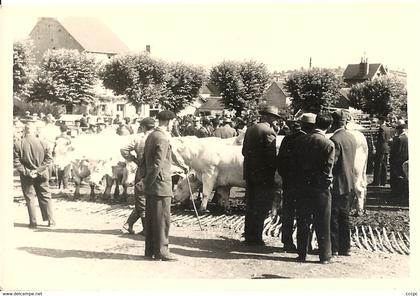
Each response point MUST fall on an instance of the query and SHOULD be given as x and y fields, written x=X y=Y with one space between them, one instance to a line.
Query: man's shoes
x=289 y=248
x=33 y=225
x=254 y=242
x=325 y=261
x=335 y=253
x=168 y=257
x=301 y=259
x=127 y=227
x=149 y=257
x=347 y=253
x=51 y=224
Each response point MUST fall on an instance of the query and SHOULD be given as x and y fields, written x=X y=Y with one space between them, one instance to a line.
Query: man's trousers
x=259 y=198
x=158 y=220
x=37 y=188
x=340 y=223
x=314 y=205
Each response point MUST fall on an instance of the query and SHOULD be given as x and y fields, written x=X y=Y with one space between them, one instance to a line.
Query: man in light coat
x=139 y=211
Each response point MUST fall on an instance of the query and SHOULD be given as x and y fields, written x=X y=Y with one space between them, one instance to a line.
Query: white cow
x=215 y=163
x=95 y=156
x=220 y=166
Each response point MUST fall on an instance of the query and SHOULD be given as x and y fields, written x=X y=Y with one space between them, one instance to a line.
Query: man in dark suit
x=259 y=151
x=382 y=153
x=287 y=168
x=315 y=155
x=156 y=166
x=399 y=154
x=31 y=158
x=343 y=184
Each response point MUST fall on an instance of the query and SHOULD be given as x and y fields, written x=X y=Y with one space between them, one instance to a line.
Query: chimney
x=364 y=67
x=148 y=48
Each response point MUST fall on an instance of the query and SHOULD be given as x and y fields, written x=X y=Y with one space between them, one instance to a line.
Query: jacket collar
x=162 y=130
x=338 y=130
x=319 y=131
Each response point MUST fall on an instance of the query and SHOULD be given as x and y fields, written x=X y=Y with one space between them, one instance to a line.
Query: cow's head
x=182 y=192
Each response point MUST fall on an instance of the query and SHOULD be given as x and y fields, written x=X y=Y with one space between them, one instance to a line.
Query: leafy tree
x=66 y=77
x=240 y=84
x=139 y=77
x=381 y=96
x=183 y=83
x=23 y=67
x=312 y=89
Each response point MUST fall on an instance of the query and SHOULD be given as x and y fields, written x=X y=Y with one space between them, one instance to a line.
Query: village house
x=357 y=73
x=90 y=35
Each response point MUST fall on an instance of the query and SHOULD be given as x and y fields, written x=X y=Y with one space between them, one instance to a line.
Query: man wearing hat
x=315 y=159
x=382 y=153
x=259 y=151
x=226 y=131
x=287 y=169
x=31 y=157
x=137 y=145
x=156 y=169
x=343 y=184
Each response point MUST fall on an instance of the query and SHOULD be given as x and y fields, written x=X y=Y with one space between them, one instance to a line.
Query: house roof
x=212 y=103
x=93 y=35
x=352 y=72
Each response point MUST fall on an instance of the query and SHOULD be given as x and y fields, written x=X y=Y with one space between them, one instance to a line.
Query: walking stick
x=192 y=200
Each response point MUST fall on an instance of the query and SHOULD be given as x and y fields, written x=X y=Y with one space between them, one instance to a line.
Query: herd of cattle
x=215 y=164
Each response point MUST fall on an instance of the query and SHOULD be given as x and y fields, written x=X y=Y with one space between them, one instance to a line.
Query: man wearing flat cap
x=156 y=169
x=342 y=190
x=147 y=125
x=259 y=151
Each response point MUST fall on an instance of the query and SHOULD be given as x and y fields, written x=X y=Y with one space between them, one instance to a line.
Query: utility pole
x=310 y=63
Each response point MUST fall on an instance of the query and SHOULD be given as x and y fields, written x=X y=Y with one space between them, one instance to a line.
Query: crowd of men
x=316 y=171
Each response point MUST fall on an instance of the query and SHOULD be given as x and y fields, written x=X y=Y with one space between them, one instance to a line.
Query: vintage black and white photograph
x=218 y=141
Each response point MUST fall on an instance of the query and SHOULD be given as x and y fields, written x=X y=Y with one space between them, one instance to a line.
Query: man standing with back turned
x=315 y=162
x=31 y=159
x=156 y=166
x=259 y=151
x=343 y=184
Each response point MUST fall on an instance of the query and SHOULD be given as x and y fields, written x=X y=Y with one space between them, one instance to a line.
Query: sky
x=284 y=36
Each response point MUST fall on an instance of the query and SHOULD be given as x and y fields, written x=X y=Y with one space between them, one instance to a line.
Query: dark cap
x=340 y=116
x=273 y=110
x=148 y=122
x=165 y=115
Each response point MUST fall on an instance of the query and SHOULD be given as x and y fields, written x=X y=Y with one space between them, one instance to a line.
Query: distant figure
x=382 y=153
x=117 y=119
x=63 y=172
x=84 y=121
x=398 y=156
x=226 y=131
x=32 y=157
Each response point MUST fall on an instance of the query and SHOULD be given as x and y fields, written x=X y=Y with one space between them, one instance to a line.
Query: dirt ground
x=88 y=251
